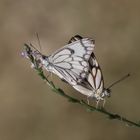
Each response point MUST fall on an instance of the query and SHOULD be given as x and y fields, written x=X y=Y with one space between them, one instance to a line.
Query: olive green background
x=29 y=110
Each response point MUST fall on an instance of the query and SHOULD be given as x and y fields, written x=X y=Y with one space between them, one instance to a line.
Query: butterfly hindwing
x=94 y=80
x=95 y=77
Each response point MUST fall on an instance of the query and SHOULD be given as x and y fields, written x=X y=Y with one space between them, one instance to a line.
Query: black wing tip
x=78 y=36
x=92 y=40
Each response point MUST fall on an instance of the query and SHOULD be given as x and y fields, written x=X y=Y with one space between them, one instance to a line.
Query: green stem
x=81 y=102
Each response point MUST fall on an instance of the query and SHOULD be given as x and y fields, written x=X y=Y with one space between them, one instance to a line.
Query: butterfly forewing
x=82 y=48
x=71 y=61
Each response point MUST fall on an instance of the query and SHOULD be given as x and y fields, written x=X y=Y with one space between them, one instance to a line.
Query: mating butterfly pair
x=76 y=64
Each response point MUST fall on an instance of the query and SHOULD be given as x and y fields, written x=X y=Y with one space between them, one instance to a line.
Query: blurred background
x=29 y=110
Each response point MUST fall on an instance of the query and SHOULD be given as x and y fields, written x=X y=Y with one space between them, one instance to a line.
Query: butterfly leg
x=64 y=80
x=97 y=103
x=104 y=101
x=48 y=75
x=88 y=100
x=51 y=75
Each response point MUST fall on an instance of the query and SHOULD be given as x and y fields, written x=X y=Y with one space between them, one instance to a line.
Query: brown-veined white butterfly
x=76 y=64
x=70 y=62
x=93 y=84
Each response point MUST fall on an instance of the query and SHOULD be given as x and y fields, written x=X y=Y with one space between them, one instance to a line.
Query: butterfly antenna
x=34 y=47
x=118 y=81
x=38 y=42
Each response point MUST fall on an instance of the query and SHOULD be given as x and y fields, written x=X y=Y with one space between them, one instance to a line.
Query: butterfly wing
x=95 y=76
x=93 y=84
x=80 y=48
x=71 y=61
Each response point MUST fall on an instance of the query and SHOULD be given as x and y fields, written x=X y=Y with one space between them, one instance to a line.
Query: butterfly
x=70 y=62
x=93 y=84
x=76 y=64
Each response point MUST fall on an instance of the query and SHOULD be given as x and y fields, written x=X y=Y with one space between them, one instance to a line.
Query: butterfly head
x=100 y=96
x=44 y=60
x=34 y=55
x=106 y=93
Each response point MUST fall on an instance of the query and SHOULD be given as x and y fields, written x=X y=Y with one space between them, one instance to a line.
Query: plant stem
x=86 y=105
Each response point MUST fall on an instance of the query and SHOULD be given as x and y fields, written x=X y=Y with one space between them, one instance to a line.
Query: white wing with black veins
x=71 y=61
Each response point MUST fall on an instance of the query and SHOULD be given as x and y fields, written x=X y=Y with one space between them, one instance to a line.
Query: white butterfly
x=76 y=64
x=93 y=84
x=70 y=63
